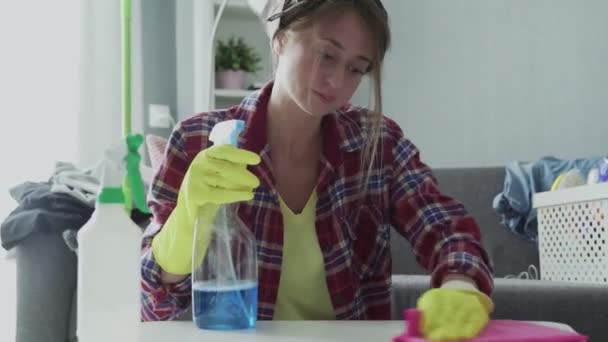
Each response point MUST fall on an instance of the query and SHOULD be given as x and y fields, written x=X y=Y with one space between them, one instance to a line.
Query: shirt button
x=339 y=299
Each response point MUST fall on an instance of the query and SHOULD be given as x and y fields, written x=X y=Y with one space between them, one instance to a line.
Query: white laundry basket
x=573 y=234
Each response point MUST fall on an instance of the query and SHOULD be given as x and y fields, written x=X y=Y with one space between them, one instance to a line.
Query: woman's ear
x=278 y=43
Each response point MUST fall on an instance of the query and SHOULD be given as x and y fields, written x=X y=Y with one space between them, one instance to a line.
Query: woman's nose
x=335 y=77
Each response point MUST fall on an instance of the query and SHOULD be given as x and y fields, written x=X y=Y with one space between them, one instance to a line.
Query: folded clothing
x=41 y=210
x=522 y=180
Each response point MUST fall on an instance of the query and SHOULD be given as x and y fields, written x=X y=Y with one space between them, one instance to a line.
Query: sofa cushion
x=156 y=149
x=475 y=188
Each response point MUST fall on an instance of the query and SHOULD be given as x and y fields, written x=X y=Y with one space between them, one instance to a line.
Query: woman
x=323 y=182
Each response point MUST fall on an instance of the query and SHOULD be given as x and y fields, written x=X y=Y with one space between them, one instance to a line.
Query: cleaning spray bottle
x=108 y=295
x=224 y=274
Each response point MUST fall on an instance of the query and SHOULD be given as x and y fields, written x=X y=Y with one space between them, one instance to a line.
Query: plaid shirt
x=353 y=227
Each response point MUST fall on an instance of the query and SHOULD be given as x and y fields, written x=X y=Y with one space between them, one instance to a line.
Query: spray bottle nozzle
x=116 y=188
x=227 y=132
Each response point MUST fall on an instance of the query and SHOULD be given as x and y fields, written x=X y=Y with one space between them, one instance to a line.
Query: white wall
x=483 y=82
x=184 y=37
x=159 y=65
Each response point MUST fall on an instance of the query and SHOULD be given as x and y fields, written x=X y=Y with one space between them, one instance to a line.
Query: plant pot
x=231 y=79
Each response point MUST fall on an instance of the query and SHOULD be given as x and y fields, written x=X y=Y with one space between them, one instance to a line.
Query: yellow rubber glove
x=453 y=314
x=217 y=175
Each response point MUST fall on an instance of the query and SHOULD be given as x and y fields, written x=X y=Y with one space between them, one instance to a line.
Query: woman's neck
x=292 y=133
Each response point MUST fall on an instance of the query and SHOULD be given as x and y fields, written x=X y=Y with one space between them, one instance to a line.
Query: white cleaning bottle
x=224 y=276
x=108 y=293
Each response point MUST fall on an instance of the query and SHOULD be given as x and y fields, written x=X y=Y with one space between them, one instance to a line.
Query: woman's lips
x=324 y=97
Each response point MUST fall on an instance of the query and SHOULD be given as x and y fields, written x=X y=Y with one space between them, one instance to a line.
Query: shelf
x=238 y=8
x=232 y=93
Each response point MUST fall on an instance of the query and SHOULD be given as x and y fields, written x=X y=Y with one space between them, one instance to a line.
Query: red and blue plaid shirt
x=353 y=227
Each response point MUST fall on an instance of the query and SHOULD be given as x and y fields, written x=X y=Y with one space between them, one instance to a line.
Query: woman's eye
x=356 y=70
x=326 y=56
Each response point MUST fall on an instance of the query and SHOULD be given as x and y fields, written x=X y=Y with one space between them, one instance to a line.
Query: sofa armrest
x=584 y=307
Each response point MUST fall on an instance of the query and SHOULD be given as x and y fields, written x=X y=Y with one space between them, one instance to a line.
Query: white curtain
x=39 y=77
x=60 y=77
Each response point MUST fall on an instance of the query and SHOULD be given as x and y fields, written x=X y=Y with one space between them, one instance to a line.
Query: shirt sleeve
x=161 y=301
x=445 y=239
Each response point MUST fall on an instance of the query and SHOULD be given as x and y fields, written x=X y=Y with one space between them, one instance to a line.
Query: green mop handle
x=126 y=89
x=126 y=67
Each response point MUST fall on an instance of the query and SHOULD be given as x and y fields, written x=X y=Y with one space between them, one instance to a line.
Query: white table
x=285 y=331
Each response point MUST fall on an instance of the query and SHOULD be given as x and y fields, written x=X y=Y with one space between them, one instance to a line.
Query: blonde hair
x=298 y=15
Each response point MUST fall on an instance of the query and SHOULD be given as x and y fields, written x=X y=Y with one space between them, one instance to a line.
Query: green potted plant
x=233 y=60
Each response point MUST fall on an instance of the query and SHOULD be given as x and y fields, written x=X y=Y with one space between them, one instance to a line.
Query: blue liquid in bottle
x=225 y=307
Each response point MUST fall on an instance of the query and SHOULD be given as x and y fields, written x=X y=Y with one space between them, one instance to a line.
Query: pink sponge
x=496 y=331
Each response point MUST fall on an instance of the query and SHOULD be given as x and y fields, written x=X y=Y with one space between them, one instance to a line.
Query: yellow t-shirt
x=303 y=293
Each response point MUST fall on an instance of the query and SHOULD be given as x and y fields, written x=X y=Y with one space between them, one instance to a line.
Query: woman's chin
x=318 y=110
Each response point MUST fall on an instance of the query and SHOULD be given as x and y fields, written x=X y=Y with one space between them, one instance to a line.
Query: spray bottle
x=224 y=283
x=109 y=243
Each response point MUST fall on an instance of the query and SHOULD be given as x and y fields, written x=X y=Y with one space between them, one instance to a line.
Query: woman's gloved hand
x=453 y=314
x=217 y=175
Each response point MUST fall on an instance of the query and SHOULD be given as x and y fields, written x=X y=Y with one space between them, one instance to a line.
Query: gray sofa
x=582 y=306
x=45 y=259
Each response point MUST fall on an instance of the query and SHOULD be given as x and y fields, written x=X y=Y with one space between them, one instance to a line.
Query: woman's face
x=321 y=67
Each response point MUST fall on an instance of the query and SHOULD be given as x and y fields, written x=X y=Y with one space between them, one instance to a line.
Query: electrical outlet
x=160 y=116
